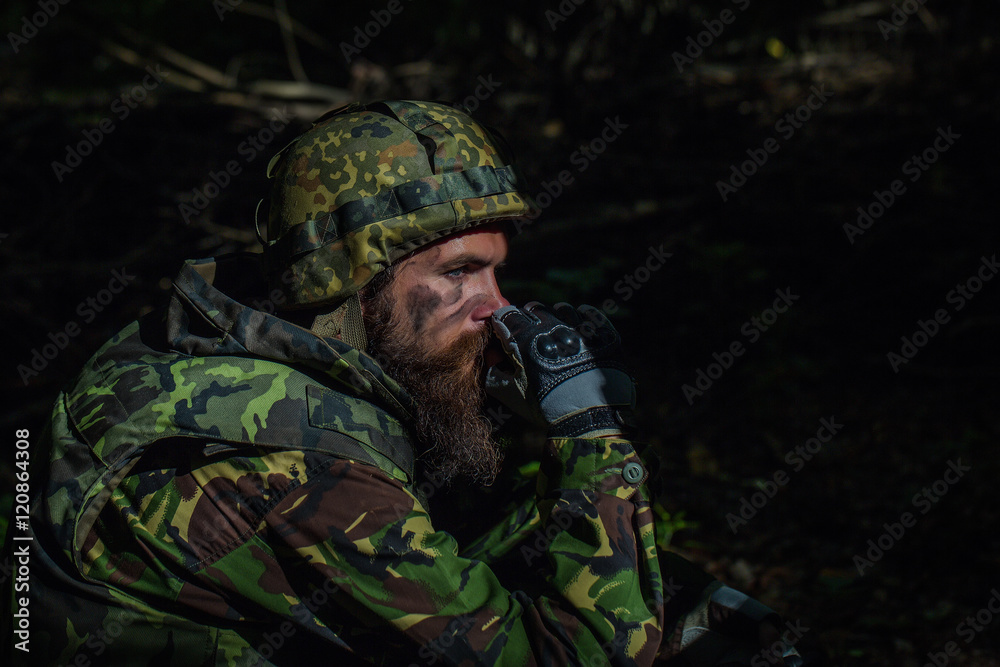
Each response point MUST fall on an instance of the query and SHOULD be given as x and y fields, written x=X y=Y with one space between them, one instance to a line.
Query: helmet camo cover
x=368 y=184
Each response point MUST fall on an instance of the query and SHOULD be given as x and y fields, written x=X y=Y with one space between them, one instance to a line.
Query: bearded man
x=245 y=477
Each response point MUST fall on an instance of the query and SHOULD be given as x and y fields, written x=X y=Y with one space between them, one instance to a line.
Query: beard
x=455 y=436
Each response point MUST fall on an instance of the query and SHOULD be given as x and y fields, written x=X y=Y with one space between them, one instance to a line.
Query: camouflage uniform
x=222 y=486
x=222 y=481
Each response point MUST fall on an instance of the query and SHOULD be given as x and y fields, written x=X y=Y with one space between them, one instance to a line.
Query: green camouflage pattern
x=221 y=487
x=368 y=184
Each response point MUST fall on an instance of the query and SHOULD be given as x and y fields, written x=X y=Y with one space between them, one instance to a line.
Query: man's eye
x=456 y=273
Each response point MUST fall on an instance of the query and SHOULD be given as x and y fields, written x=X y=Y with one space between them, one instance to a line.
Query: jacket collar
x=220 y=306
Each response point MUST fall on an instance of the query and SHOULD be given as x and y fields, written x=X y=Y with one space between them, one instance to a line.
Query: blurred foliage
x=667 y=525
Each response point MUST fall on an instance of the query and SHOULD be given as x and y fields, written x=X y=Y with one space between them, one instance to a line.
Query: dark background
x=557 y=79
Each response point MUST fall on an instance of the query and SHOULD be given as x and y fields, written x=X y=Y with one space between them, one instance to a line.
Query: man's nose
x=493 y=300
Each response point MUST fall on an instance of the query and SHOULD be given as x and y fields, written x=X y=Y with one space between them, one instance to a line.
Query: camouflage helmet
x=370 y=183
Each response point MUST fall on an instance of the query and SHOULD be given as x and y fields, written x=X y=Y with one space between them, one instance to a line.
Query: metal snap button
x=632 y=472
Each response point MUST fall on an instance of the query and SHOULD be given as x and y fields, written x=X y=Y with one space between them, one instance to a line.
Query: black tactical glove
x=566 y=371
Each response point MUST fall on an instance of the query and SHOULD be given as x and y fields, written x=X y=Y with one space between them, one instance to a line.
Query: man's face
x=428 y=328
x=449 y=288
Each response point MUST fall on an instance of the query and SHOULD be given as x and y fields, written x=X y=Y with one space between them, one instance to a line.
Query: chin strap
x=353 y=328
x=344 y=323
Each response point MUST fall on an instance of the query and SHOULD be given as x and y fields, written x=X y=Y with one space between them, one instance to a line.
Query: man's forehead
x=483 y=240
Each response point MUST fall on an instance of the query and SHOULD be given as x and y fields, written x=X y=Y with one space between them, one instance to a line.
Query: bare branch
x=288 y=37
x=301 y=31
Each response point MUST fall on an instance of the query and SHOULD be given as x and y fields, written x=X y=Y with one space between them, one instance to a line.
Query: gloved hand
x=565 y=370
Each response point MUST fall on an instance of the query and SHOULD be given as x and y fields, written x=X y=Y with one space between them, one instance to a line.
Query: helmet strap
x=343 y=323
x=353 y=328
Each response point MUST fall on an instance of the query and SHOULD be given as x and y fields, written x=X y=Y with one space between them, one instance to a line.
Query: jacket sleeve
x=597 y=596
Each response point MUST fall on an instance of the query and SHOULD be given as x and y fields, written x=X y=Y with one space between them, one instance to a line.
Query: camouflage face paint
x=448 y=289
x=421 y=302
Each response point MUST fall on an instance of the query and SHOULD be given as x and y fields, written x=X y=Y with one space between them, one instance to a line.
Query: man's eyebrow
x=470 y=258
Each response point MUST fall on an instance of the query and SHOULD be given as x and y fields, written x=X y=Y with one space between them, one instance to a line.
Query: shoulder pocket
x=381 y=434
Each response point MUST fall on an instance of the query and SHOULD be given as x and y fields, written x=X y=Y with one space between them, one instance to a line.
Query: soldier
x=245 y=477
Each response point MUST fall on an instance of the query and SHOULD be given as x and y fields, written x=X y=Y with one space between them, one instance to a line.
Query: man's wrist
x=608 y=465
x=599 y=422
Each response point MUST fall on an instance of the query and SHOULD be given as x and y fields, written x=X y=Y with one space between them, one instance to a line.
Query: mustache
x=468 y=348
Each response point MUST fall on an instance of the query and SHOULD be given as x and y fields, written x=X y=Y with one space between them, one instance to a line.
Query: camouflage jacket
x=221 y=486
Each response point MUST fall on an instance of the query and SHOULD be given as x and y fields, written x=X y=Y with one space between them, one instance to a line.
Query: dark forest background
x=552 y=76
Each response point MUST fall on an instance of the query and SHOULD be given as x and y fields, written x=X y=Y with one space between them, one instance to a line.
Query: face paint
x=421 y=303
x=449 y=289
